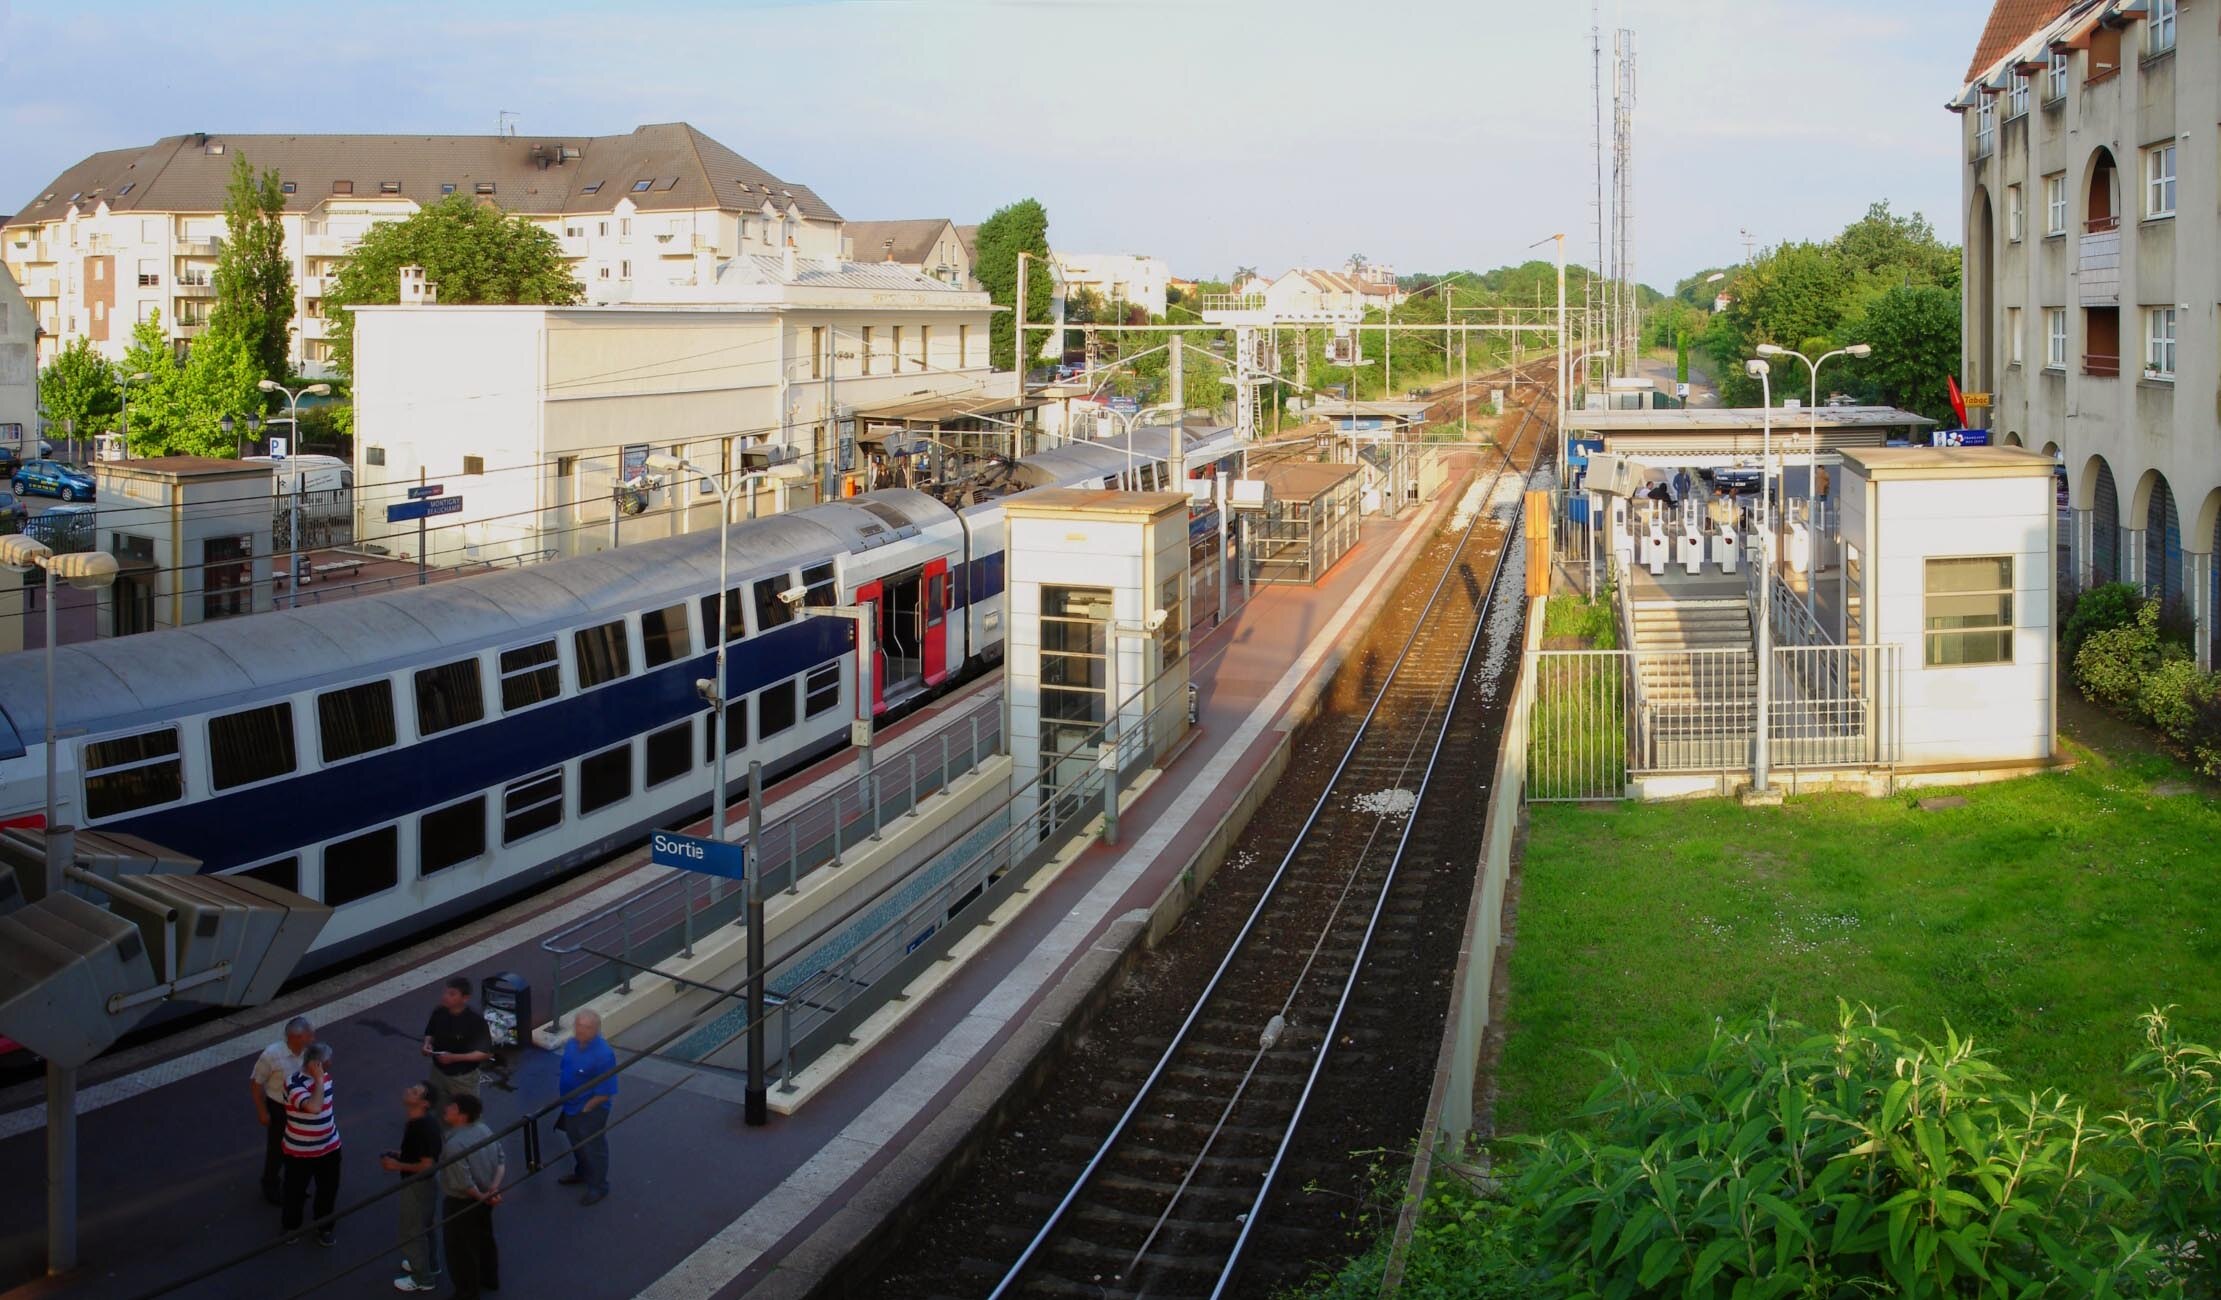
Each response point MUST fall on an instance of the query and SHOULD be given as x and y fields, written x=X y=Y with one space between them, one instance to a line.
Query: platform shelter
x=1309 y=521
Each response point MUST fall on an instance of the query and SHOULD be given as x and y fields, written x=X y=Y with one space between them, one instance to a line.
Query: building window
x=736 y=730
x=895 y=357
x=670 y=754
x=251 y=745
x=592 y=187
x=451 y=836
x=603 y=654
x=1985 y=125
x=389 y=187
x=531 y=805
x=2058 y=87
x=2162 y=26
x=354 y=720
x=963 y=347
x=604 y=779
x=2016 y=214
x=2055 y=345
x=2159 y=343
x=1968 y=611
x=132 y=772
x=374 y=456
x=821 y=689
x=529 y=676
x=2017 y=101
x=664 y=636
x=624 y=269
x=2159 y=181
x=641 y=187
x=474 y=464
x=447 y=697
x=227 y=577
x=289 y=187
x=446 y=188
x=925 y=347
x=483 y=187
x=867 y=330
x=2012 y=335
x=2055 y=204
x=774 y=710
x=1075 y=675
x=819 y=590
x=362 y=865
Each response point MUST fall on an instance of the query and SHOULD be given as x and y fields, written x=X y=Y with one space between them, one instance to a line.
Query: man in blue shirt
x=588 y=1084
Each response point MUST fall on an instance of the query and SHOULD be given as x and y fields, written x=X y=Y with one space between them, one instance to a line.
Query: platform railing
x=666 y=919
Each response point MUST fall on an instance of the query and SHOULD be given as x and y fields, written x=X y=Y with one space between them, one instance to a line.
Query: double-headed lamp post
x=87 y=571
x=769 y=462
x=1812 y=449
x=1763 y=372
x=1129 y=421
x=293 y=398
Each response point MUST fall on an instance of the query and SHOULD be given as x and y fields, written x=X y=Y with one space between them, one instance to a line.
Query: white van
x=324 y=488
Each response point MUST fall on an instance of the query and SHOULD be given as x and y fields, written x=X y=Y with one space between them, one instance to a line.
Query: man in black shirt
x=420 y=1150
x=457 y=1041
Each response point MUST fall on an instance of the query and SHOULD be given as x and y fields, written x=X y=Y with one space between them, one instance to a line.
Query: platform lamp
x=86 y=571
x=1812 y=447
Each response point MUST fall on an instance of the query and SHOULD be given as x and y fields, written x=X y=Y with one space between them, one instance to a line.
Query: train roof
x=161 y=674
x=1077 y=461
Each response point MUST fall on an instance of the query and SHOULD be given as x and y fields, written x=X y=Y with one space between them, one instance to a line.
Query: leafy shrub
x=2204 y=740
x=2171 y=693
x=1857 y=1162
x=2100 y=609
x=2111 y=664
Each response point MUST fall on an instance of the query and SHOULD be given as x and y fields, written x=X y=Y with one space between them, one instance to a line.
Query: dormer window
x=343 y=187
x=389 y=187
x=593 y=187
x=289 y=187
x=641 y=187
x=483 y=187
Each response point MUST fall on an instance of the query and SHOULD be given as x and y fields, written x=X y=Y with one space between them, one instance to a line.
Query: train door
x=933 y=614
x=874 y=594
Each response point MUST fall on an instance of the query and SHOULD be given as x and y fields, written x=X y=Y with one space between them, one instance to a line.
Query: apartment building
x=930 y=246
x=1134 y=278
x=2093 y=275
x=19 y=391
x=128 y=233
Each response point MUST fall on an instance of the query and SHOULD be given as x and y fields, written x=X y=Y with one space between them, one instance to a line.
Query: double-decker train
x=415 y=754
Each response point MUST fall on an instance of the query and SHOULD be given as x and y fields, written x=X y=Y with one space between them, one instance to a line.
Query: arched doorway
x=1982 y=294
x=2162 y=542
x=2206 y=526
x=2105 y=523
x=2099 y=254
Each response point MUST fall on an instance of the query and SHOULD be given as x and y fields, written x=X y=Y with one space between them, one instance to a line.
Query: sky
x=1429 y=134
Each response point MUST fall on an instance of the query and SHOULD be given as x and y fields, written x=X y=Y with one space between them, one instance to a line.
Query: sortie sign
x=695 y=853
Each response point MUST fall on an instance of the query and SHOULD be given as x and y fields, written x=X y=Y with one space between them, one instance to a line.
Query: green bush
x=2172 y=693
x=1854 y=1161
x=2100 y=609
x=2111 y=665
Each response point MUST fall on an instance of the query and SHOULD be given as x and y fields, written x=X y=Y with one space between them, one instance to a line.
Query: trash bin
x=506 y=1002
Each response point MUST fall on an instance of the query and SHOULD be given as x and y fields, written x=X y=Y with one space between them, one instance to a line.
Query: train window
x=663 y=635
x=250 y=745
x=529 y=676
x=821 y=690
x=603 y=653
x=736 y=731
x=285 y=873
x=132 y=772
x=362 y=865
x=736 y=625
x=670 y=754
x=354 y=720
x=531 y=805
x=774 y=709
x=446 y=837
x=447 y=697
x=824 y=593
x=770 y=610
x=604 y=779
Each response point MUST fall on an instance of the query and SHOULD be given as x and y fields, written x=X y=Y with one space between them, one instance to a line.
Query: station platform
x=701 y=1206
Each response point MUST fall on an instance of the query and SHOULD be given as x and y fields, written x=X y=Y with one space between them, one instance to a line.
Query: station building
x=19 y=374
x=537 y=416
x=2091 y=243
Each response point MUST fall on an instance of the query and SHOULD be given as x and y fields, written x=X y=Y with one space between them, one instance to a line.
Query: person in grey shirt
x=471 y=1171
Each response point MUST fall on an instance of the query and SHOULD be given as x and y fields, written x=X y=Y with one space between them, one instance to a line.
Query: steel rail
x=1018 y=1268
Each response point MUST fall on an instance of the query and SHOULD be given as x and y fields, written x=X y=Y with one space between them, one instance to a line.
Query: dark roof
x=969 y=236
x=2011 y=22
x=911 y=241
x=1304 y=480
x=541 y=175
x=187 y=466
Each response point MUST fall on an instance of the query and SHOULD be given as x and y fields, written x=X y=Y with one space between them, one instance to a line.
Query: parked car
x=53 y=478
x=64 y=529
x=12 y=514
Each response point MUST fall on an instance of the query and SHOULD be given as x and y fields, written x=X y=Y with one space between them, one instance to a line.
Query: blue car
x=53 y=478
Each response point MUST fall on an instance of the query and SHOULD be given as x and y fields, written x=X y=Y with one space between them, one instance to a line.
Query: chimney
x=788 y=272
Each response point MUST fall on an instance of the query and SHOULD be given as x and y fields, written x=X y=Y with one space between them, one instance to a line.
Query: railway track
x=1201 y=1169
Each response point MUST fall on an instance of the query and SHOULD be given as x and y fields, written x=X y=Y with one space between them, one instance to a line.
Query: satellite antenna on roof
x=505 y=124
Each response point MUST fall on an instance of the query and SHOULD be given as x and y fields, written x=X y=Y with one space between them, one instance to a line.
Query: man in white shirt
x=279 y=1062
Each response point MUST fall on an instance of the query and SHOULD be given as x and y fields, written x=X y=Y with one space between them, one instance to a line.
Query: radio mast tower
x=1594 y=308
x=1627 y=322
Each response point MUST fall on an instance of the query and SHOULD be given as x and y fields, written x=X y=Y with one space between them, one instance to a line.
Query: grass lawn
x=2042 y=917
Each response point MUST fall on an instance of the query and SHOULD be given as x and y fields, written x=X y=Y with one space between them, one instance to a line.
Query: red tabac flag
x=1958 y=403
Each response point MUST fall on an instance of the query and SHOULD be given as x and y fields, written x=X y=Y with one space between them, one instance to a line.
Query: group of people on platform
x=450 y=1161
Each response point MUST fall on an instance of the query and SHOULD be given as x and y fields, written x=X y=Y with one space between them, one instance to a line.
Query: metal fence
x=1577 y=538
x=605 y=950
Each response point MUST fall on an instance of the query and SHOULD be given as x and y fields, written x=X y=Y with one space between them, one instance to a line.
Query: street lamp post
x=1812 y=449
x=1178 y=460
x=293 y=398
x=89 y=570
x=1763 y=371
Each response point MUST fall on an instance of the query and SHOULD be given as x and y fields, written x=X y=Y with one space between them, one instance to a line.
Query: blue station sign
x=696 y=853
x=401 y=512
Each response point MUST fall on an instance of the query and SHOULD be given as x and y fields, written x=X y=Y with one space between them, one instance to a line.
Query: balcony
x=2098 y=277
x=329 y=245
x=41 y=284
x=208 y=247
x=314 y=327
x=312 y=286
x=195 y=286
x=573 y=246
x=189 y=327
x=2099 y=366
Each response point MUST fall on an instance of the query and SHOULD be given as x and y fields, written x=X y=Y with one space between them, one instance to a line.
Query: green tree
x=473 y=253
x=78 y=390
x=254 y=278
x=1021 y=227
x=179 y=408
x=1915 y=336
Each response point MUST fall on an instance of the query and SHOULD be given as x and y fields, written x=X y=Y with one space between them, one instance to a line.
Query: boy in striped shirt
x=311 y=1143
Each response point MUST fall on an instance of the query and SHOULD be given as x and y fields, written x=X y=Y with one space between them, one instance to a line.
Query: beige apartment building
x=128 y=233
x=931 y=246
x=19 y=390
x=2093 y=275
